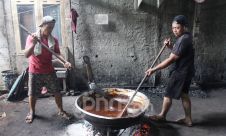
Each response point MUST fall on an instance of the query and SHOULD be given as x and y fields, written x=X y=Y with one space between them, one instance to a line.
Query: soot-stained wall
x=210 y=42
x=121 y=51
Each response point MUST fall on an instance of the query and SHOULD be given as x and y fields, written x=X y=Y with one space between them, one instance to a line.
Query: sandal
x=65 y=115
x=157 y=118
x=29 y=118
x=184 y=122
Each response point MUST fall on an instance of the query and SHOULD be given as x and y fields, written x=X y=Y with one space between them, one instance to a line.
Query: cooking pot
x=101 y=121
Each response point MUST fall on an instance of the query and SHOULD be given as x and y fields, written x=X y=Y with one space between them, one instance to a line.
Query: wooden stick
x=43 y=45
x=134 y=94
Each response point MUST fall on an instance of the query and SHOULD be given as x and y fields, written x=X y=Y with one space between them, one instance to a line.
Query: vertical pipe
x=135 y=2
x=73 y=45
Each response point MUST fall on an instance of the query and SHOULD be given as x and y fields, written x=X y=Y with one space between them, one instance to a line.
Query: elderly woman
x=41 y=70
x=182 y=58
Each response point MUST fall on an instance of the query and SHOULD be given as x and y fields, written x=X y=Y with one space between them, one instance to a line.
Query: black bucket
x=9 y=78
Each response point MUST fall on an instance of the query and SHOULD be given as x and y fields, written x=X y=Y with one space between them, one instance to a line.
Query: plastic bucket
x=9 y=78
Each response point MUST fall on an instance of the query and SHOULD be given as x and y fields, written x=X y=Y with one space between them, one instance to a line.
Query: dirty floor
x=209 y=117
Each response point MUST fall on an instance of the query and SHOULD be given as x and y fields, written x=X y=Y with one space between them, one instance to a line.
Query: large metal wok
x=133 y=117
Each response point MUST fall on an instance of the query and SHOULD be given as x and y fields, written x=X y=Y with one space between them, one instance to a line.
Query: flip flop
x=157 y=118
x=29 y=118
x=183 y=122
x=65 y=115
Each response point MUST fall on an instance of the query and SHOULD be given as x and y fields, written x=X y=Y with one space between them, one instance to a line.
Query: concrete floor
x=209 y=117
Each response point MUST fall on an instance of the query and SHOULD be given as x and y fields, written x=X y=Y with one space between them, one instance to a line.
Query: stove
x=84 y=128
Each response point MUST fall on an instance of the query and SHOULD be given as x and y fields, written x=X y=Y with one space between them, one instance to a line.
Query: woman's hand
x=67 y=65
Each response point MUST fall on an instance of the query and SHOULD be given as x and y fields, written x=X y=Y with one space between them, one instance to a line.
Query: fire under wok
x=102 y=111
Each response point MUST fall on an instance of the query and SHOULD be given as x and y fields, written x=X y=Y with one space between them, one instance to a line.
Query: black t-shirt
x=183 y=48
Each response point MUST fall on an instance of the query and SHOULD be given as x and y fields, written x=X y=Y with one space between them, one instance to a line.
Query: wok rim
x=146 y=101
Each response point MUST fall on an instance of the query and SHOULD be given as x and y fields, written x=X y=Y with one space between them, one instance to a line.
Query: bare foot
x=184 y=122
x=64 y=115
x=29 y=118
x=157 y=118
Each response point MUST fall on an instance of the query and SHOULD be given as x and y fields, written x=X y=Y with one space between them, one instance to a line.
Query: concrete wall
x=121 y=51
x=4 y=44
x=211 y=42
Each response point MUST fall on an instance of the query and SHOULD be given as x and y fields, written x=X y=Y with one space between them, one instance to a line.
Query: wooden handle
x=43 y=45
x=88 y=69
x=88 y=73
x=134 y=94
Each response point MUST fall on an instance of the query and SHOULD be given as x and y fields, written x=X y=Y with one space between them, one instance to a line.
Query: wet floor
x=79 y=129
x=208 y=117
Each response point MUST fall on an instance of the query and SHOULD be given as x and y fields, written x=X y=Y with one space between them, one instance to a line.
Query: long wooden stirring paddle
x=43 y=45
x=134 y=94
